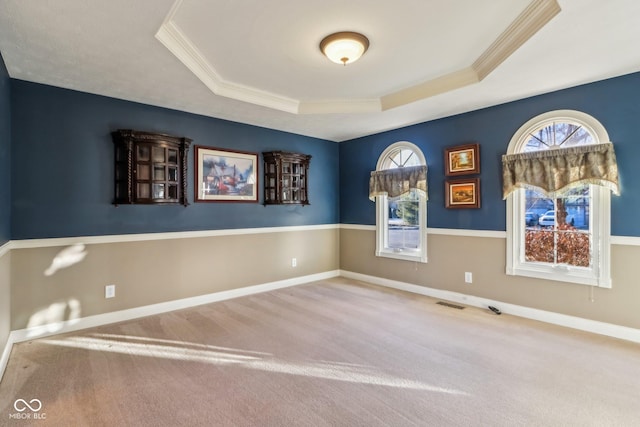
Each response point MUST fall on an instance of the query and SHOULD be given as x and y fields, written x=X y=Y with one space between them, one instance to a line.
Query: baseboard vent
x=448 y=304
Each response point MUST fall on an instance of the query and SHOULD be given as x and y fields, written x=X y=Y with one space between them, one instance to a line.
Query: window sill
x=404 y=255
x=577 y=275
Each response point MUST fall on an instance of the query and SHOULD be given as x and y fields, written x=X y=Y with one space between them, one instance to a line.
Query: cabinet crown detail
x=286 y=178
x=150 y=168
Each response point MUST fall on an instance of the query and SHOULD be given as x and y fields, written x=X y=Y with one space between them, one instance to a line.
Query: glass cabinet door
x=285 y=178
x=149 y=168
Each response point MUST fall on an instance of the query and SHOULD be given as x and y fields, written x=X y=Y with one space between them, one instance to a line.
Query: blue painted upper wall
x=62 y=160
x=614 y=102
x=5 y=154
x=57 y=154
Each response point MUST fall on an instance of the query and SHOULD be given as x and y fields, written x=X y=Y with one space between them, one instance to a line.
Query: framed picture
x=225 y=175
x=462 y=193
x=462 y=160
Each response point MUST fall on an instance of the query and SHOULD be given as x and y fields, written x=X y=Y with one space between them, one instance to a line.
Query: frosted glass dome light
x=344 y=47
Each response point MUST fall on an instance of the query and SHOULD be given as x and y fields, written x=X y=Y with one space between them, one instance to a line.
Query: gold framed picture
x=462 y=193
x=462 y=160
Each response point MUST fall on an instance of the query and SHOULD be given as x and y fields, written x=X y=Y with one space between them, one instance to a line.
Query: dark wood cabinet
x=150 y=168
x=286 y=178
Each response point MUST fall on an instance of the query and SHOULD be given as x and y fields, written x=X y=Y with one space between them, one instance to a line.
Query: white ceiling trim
x=535 y=16
x=172 y=37
x=430 y=88
x=341 y=106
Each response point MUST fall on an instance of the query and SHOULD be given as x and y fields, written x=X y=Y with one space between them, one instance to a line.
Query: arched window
x=558 y=174
x=399 y=188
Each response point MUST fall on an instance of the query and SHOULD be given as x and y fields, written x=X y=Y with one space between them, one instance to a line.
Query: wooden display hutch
x=286 y=178
x=150 y=168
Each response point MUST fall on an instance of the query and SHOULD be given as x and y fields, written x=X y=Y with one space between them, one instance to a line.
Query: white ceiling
x=258 y=62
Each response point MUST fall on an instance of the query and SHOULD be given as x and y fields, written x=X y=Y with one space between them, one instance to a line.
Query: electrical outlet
x=294 y=262
x=468 y=277
x=110 y=291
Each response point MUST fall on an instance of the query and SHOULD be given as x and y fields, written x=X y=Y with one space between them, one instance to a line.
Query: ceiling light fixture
x=344 y=47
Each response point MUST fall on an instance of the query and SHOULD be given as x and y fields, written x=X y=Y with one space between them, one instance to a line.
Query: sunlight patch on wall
x=66 y=258
x=52 y=319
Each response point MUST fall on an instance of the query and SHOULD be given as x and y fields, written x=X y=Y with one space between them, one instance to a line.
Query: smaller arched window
x=558 y=174
x=399 y=188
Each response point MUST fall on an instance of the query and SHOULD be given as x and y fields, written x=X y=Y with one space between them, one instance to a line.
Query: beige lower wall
x=451 y=256
x=149 y=272
x=5 y=300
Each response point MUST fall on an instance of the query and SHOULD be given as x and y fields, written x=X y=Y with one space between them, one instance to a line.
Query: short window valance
x=398 y=181
x=557 y=170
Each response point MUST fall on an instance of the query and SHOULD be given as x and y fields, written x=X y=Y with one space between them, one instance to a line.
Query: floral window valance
x=556 y=171
x=398 y=181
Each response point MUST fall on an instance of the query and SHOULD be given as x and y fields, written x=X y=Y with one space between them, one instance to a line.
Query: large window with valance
x=558 y=174
x=399 y=188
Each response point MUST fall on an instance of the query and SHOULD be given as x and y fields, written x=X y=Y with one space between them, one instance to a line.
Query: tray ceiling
x=259 y=63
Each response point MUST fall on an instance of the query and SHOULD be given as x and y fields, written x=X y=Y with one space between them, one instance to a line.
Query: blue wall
x=62 y=179
x=614 y=102
x=5 y=154
x=62 y=173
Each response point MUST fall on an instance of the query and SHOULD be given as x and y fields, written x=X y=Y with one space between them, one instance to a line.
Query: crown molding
x=174 y=39
x=442 y=84
x=535 y=16
x=341 y=106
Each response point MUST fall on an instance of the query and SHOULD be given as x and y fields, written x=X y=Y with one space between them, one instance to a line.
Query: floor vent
x=448 y=304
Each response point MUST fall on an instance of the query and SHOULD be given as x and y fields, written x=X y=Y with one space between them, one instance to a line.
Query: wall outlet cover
x=110 y=291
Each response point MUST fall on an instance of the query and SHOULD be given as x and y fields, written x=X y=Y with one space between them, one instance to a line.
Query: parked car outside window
x=548 y=219
x=531 y=218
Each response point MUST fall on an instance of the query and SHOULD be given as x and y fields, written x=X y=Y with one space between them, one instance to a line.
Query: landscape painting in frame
x=462 y=193
x=462 y=160
x=225 y=175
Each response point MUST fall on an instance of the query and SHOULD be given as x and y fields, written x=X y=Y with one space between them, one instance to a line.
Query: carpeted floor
x=331 y=353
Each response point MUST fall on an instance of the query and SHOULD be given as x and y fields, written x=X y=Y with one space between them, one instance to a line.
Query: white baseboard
x=163 y=307
x=616 y=331
x=26 y=334
x=4 y=249
x=608 y=329
x=4 y=359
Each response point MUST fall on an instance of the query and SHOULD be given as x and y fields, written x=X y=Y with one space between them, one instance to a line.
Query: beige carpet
x=332 y=353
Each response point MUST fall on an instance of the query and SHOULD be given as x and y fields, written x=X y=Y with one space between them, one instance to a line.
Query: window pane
x=173 y=192
x=158 y=154
x=143 y=153
x=173 y=156
x=143 y=172
x=404 y=222
x=558 y=230
x=558 y=135
x=401 y=158
x=173 y=174
x=579 y=137
x=158 y=191
x=158 y=173
x=143 y=191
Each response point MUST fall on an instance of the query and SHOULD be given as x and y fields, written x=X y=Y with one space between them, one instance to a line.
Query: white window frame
x=382 y=212
x=599 y=274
